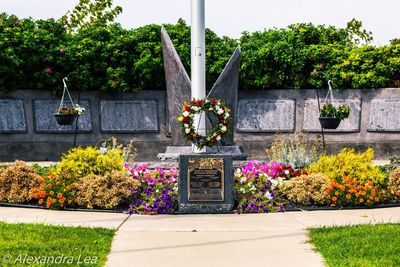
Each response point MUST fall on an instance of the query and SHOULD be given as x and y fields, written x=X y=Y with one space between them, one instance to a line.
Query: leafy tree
x=90 y=13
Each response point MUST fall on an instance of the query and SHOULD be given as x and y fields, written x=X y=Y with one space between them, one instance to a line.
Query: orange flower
x=40 y=201
x=40 y=180
x=49 y=185
x=348 y=196
x=363 y=193
x=368 y=201
x=361 y=200
x=69 y=201
x=373 y=192
x=62 y=200
x=59 y=195
x=336 y=193
x=334 y=198
x=42 y=194
x=58 y=182
x=371 y=197
x=51 y=192
x=377 y=199
x=48 y=204
x=36 y=195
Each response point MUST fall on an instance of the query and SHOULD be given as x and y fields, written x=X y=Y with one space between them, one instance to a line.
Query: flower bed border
x=288 y=208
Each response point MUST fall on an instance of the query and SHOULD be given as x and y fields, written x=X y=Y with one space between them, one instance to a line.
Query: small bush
x=349 y=163
x=307 y=189
x=80 y=162
x=394 y=182
x=108 y=191
x=296 y=151
x=347 y=191
x=55 y=191
x=16 y=182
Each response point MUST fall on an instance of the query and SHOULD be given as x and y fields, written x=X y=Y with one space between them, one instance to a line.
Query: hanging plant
x=66 y=115
x=330 y=115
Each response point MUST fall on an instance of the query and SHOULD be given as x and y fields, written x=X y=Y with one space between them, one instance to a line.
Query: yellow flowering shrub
x=394 y=182
x=81 y=162
x=16 y=182
x=349 y=163
x=307 y=189
x=107 y=191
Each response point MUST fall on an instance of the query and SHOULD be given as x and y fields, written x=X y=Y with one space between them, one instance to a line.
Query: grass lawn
x=35 y=244
x=360 y=245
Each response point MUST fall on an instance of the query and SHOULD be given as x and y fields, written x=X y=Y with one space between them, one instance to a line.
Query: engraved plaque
x=129 y=116
x=263 y=115
x=205 y=179
x=12 y=116
x=384 y=115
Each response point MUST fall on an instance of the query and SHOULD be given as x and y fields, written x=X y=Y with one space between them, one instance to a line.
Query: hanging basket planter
x=329 y=122
x=65 y=119
x=330 y=116
x=67 y=115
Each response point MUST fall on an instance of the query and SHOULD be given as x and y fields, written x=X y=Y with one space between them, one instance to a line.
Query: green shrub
x=107 y=191
x=349 y=163
x=307 y=189
x=394 y=183
x=16 y=182
x=80 y=162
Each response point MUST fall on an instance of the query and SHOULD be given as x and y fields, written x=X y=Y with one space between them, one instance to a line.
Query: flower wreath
x=186 y=121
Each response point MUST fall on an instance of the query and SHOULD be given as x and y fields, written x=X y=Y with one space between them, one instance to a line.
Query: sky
x=232 y=17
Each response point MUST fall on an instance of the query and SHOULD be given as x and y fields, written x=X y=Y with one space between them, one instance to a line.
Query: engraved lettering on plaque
x=206 y=179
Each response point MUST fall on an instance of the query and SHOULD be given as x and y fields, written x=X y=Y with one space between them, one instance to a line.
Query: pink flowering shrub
x=256 y=187
x=157 y=193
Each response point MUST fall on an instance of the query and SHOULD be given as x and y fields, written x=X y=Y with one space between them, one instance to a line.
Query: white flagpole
x=198 y=62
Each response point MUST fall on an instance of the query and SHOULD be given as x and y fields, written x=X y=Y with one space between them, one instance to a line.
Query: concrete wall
x=27 y=131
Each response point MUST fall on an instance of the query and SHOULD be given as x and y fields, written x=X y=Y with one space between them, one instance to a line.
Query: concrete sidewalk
x=276 y=239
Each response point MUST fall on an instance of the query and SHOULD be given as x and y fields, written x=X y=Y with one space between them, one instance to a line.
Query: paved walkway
x=277 y=239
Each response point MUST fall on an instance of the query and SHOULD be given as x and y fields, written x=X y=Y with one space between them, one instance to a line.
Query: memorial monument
x=206 y=176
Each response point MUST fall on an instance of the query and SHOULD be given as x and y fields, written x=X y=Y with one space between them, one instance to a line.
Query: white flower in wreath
x=218 y=137
x=226 y=115
x=195 y=108
x=185 y=113
x=210 y=109
x=187 y=130
x=220 y=111
x=223 y=128
x=186 y=125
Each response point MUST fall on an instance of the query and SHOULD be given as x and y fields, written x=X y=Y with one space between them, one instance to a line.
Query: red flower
x=186 y=119
x=187 y=108
x=199 y=102
x=214 y=101
x=192 y=102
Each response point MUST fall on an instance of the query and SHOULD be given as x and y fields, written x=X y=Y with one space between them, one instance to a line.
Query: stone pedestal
x=205 y=183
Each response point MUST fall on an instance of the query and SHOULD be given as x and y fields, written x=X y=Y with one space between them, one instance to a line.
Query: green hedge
x=36 y=54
